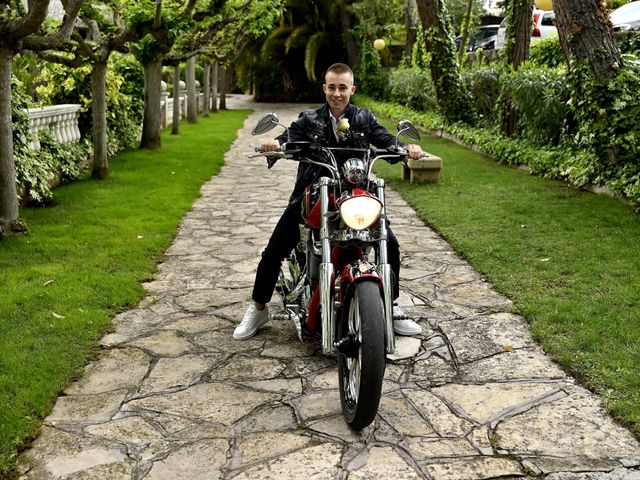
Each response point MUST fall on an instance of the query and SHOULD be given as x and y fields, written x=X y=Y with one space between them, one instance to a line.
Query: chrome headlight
x=360 y=212
x=354 y=170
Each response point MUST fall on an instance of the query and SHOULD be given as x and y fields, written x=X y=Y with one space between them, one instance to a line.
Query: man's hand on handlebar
x=415 y=151
x=269 y=146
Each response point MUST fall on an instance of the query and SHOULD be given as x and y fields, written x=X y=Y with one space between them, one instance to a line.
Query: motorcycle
x=336 y=286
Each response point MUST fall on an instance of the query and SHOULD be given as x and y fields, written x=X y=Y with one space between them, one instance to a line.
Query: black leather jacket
x=315 y=126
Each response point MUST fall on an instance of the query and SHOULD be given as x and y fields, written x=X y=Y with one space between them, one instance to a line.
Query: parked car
x=543 y=26
x=483 y=37
x=626 y=17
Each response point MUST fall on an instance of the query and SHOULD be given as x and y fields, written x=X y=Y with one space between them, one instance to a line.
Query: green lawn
x=569 y=260
x=83 y=261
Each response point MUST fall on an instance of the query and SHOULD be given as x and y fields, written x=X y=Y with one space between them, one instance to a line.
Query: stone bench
x=425 y=169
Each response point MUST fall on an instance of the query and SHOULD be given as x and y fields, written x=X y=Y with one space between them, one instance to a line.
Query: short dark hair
x=340 y=68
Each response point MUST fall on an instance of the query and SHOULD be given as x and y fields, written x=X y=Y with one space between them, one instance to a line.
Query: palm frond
x=275 y=39
x=315 y=43
x=297 y=38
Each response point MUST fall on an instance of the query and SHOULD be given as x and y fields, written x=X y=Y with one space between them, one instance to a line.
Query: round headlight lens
x=360 y=212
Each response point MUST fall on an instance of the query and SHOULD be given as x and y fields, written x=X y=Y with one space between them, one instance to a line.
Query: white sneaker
x=253 y=319
x=403 y=325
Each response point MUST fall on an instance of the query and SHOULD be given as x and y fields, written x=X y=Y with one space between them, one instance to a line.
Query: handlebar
x=290 y=149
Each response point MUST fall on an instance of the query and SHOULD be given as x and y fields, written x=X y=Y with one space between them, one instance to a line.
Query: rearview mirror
x=266 y=123
x=406 y=128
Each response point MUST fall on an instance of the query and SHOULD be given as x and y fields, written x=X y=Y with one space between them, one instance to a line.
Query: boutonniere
x=343 y=130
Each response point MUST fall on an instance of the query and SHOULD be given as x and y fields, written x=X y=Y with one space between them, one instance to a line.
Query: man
x=327 y=126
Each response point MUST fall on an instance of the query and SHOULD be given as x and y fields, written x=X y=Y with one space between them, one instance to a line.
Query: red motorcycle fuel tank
x=311 y=205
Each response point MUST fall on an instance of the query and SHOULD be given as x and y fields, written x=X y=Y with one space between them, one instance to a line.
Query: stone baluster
x=58 y=128
x=76 y=127
x=199 y=105
x=66 y=126
x=163 y=104
x=183 y=99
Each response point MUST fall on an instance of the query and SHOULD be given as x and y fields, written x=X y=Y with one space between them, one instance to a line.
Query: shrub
x=629 y=41
x=540 y=96
x=412 y=87
x=64 y=85
x=547 y=52
x=606 y=118
x=483 y=85
x=370 y=77
x=36 y=169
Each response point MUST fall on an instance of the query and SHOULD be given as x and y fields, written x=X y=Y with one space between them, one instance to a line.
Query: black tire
x=360 y=378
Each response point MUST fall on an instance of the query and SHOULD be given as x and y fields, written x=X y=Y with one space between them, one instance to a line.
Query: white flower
x=343 y=129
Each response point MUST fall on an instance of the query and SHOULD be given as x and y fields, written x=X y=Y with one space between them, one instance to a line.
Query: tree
x=604 y=100
x=410 y=23
x=518 y=32
x=586 y=26
x=192 y=96
x=168 y=22
x=194 y=29
x=465 y=31
x=105 y=37
x=453 y=101
x=346 y=21
x=309 y=38
x=21 y=28
x=516 y=51
x=458 y=12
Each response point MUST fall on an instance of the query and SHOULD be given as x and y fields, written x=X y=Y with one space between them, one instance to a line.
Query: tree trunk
x=564 y=44
x=205 y=89
x=453 y=101
x=518 y=38
x=223 y=89
x=594 y=55
x=518 y=33
x=214 y=87
x=99 y=119
x=152 y=121
x=586 y=26
x=465 y=31
x=8 y=193
x=192 y=94
x=175 y=119
x=349 y=39
x=411 y=21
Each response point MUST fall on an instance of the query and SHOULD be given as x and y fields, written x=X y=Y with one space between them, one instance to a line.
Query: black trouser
x=285 y=237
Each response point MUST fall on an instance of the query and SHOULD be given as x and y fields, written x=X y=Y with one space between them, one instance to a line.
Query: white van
x=543 y=26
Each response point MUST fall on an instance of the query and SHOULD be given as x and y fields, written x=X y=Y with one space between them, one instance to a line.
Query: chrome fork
x=384 y=270
x=326 y=271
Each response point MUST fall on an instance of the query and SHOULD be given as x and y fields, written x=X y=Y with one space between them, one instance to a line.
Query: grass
x=569 y=260
x=83 y=261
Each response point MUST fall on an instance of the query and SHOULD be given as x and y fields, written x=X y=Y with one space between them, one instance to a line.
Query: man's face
x=338 y=89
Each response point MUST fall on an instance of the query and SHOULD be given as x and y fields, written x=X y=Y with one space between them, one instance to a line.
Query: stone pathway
x=174 y=396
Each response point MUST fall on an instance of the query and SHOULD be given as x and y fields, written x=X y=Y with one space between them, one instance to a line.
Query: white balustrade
x=62 y=120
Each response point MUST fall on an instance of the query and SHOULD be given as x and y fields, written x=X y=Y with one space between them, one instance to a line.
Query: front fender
x=358 y=271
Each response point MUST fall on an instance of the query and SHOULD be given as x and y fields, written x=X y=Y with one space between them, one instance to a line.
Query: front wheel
x=361 y=362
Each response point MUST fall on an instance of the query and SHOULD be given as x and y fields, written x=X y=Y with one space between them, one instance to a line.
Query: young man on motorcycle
x=326 y=126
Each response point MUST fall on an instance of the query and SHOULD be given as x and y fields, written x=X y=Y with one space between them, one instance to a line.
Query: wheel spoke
x=354 y=364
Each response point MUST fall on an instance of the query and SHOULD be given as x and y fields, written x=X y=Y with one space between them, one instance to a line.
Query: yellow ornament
x=544 y=4
x=379 y=44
